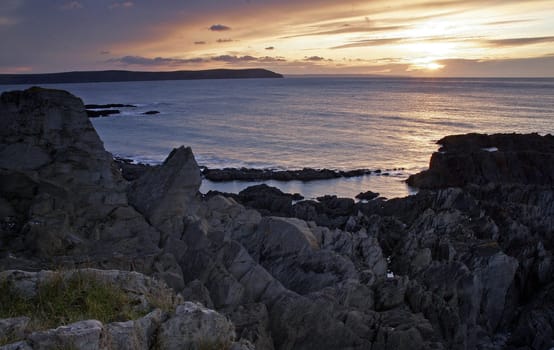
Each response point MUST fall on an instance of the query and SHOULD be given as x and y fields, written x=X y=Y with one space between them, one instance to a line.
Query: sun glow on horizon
x=453 y=38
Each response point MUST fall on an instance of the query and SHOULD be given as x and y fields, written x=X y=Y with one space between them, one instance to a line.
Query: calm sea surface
x=320 y=122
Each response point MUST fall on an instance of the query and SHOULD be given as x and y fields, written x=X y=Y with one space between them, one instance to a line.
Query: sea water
x=391 y=124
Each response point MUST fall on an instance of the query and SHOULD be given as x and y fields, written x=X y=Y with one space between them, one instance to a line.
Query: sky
x=461 y=38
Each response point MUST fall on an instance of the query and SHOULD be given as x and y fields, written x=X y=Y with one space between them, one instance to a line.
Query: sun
x=433 y=66
x=427 y=64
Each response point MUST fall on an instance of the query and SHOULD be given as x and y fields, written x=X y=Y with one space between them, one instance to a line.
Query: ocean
x=343 y=123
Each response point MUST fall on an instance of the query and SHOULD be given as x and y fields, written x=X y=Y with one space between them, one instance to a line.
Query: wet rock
x=368 y=195
x=109 y=105
x=305 y=174
x=151 y=112
x=102 y=113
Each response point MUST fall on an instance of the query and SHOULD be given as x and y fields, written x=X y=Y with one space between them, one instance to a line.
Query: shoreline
x=467 y=263
x=311 y=183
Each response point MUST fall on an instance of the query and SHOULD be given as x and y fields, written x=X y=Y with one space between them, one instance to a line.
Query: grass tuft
x=61 y=301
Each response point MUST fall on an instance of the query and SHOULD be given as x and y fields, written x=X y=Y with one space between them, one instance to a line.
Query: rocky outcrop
x=186 y=326
x=59 y=190
x=164 y=194
x=102 y=113
x=305 y=174
x=480 y=159
x=456 y=268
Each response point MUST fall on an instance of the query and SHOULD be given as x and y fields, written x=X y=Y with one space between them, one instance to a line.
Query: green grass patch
x=61 y=301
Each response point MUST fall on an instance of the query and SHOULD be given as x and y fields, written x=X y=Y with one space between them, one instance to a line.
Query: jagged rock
x=129 y=170
x=268 y=200
x=196 y=291
x=64 y=194
x=252 y=323
x=314 y=322
x=283 y=237
x=535 y=325
x=479 y=159
x=305 y=174
x=390 y=292
x=102 y=113
x=193 y=326
x=457 y=268
x=368 y=195
x=134 y=334
x=496 y=273
x=164 y=195
x=83 y=335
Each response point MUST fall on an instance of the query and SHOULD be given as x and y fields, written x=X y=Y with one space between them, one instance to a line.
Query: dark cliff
x=123 y=75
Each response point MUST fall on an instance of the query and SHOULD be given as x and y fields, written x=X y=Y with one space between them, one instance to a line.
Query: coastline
x=464 y=264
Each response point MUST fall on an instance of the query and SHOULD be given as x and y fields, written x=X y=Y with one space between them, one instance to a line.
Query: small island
x=124 y=75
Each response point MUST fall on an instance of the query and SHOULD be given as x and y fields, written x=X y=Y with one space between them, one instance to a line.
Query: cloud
x=369 y=42
x=165 y=61
x=270 y=48
x=520 y=41
x=224 y=40
x=350 y=29
x=158 y=61
x=199 y=43
x=510 y=22
x=219 y=28
x=121 y=4
x=234 y=59
x=268 y=59
x=72 y=5
x=105 y=52
x=247 y=59
x=519 y=67
x=314 y=58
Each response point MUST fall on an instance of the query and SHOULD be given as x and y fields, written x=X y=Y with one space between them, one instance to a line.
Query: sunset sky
x=417 y=38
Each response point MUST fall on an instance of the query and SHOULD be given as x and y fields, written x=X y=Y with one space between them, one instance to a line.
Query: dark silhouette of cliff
x=123 y=75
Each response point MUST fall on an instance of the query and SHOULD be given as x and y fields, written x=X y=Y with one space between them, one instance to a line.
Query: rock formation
x=480 y=159
x=465 y=267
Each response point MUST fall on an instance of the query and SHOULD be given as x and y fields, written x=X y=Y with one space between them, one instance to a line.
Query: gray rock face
x=190 y=326
x=135 y=334
x=84 y=335
x=456 y=268
x=498 y=158
x=193 y=326
x=59 y=189
x=164 y=194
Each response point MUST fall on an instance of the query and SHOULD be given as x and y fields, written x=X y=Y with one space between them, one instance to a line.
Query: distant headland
x=123 y=75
